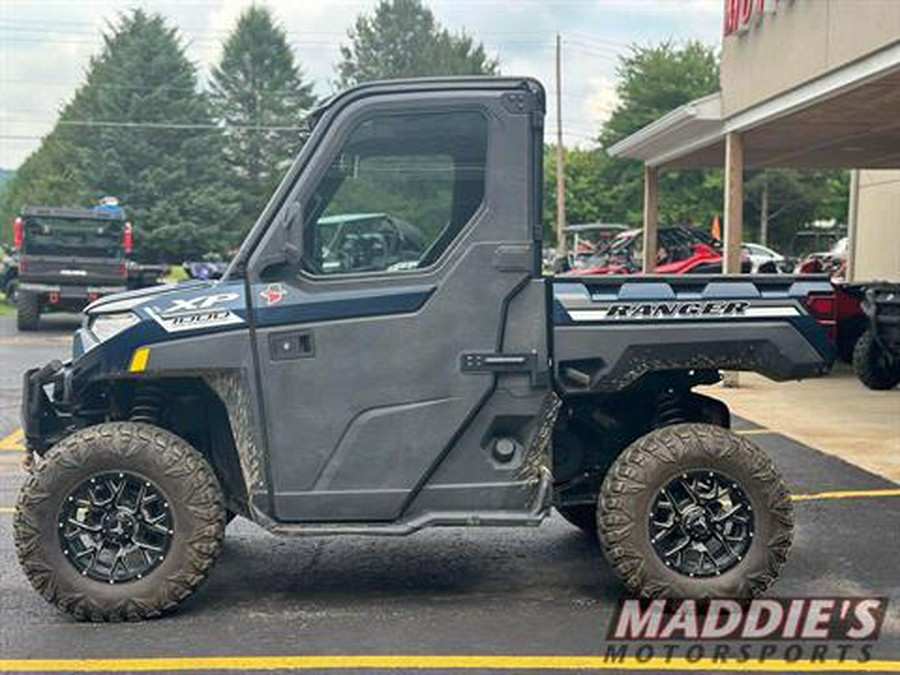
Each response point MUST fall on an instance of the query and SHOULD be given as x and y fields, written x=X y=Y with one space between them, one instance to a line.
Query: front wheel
x=121 y=521
x=695 y=511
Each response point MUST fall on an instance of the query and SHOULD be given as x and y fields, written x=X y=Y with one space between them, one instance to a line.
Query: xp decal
x=200 y=302
x=715 y=309
x=204 y=311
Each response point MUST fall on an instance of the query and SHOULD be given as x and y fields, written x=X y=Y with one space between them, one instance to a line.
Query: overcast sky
x=45 y=46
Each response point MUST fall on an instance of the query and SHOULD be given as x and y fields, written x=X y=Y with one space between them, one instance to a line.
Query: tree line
x=194 y=166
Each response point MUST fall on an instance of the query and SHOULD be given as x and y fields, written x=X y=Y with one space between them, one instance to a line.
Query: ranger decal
x=706 y=309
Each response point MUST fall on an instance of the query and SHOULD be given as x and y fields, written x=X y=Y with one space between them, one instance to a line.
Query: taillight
x=128 y=239
x=18 y=234
x=823 y=308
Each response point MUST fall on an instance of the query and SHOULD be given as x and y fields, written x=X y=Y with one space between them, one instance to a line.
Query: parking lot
x=485 y=599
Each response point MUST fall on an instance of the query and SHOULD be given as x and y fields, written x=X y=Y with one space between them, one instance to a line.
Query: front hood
x=120 y=302
x=164 y=313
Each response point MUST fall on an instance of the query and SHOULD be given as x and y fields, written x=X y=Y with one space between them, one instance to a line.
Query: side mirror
x=293 y=254
x=284 y=254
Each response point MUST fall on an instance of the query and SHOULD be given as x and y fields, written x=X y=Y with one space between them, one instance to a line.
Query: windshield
x=88 y=237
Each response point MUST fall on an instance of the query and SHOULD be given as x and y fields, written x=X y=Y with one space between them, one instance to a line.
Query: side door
x=412 y=225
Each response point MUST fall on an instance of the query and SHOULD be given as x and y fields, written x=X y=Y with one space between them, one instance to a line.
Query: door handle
x=289 y=345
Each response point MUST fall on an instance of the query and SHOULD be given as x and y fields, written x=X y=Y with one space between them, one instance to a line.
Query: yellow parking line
x=847 y=494
x=15 y=442
x=244 y=663
x=7 y=509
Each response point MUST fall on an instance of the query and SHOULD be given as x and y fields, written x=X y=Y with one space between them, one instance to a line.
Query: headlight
x=104 y=326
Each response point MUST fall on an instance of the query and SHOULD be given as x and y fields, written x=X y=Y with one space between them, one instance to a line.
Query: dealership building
x=804 y=84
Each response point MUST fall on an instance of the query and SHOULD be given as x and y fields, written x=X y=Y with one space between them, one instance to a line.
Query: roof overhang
x=846 y=118
x=689 y=127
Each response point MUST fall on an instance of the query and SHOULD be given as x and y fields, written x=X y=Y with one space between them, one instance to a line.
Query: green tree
x=259 y=95
x=788 y=199
x=403 y=39
x=138 y=129
x=651 y=82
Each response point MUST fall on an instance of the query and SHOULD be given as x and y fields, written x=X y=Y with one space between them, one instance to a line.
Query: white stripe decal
x=772 y=311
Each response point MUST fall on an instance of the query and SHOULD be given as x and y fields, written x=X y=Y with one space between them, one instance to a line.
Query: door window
x=397 y=194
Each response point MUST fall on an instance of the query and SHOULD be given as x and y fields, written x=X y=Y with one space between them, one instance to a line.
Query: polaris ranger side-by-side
x=70 y=257
x=318 y=391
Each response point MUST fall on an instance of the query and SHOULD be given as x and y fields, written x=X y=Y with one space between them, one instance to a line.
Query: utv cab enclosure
x=380 y=388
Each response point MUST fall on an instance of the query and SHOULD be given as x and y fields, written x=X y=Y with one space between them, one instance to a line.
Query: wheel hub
x=695 y=523
x=115 y=527
x=701 y=523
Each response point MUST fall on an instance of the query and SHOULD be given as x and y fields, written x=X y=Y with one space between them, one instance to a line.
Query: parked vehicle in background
x=9 y=275
x=317 y=389
x=70 y=257
x=763 y=260
x=811 y=240
x=210 y=267
x=876 y=358
x=832 y=262
x=681 y=250
x=586 y=239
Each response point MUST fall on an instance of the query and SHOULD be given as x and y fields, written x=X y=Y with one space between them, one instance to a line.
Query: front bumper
x=43 y=420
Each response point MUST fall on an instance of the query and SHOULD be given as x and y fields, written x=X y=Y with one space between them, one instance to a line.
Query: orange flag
x=717 y=229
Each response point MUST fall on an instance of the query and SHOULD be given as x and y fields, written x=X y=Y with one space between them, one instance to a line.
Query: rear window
x=46 y=235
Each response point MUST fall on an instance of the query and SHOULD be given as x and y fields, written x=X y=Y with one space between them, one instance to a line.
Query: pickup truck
x=70 y=257
x=316 y=394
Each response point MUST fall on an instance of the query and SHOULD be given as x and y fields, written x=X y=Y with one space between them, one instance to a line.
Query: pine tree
x=403 y=39
x=139 y=129
x=258 y=93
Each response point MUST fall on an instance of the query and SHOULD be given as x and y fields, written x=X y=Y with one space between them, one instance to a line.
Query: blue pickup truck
x=322 y=392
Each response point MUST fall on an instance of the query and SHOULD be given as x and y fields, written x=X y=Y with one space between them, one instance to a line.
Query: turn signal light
x=128 y=239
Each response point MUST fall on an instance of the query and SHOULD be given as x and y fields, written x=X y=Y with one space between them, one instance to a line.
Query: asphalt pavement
x=497 y=593
x=22 y=350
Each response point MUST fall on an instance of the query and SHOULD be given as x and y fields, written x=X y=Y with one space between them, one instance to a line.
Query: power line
x=176 y=125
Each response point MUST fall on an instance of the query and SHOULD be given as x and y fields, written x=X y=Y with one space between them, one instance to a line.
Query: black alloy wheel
x=116 y=527
x=701 y=523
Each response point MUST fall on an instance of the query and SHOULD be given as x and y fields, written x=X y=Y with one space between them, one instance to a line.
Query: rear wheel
x=693 y=511
x=873 y=365
x=121 y=521
x=28 y=310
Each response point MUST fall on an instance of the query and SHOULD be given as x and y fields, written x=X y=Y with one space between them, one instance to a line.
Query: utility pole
x=561 y=243
x=764 y=213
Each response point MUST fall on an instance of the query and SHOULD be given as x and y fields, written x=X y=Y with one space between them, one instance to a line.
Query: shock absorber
x=669 y=409
x=147 y=403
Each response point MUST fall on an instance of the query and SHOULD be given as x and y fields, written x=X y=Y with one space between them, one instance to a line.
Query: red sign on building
x=741 y=14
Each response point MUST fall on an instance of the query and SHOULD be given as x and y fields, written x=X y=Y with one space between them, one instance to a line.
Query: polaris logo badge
x=662 y=310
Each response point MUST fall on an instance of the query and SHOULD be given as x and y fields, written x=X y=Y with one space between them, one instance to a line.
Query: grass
x=6 y=308
x=176 y=274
